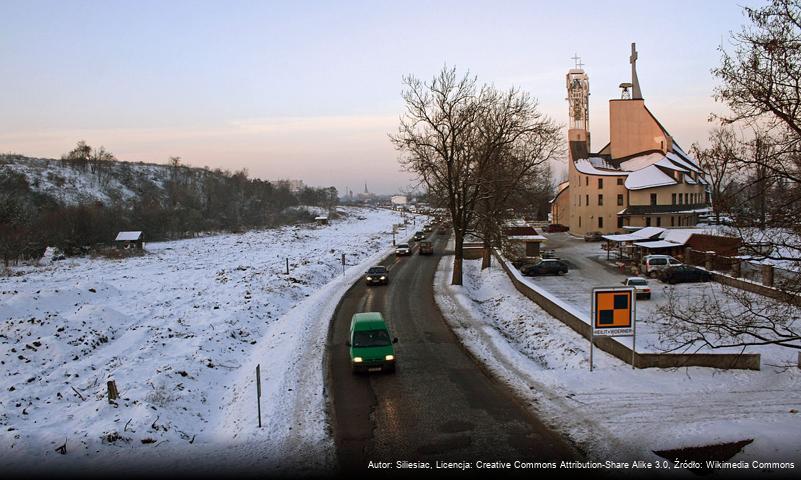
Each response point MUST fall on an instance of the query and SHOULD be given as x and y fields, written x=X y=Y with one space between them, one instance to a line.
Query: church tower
x=578 y=97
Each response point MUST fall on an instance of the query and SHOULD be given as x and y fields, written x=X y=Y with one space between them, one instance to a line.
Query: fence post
x=767 y=275
x=708 y=260
x=688 y=254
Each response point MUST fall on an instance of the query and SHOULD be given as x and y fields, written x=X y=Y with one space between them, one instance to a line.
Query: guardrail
x=573 y=318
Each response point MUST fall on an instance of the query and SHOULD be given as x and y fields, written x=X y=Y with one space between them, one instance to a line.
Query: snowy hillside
x=71 y=186
x=180 y=330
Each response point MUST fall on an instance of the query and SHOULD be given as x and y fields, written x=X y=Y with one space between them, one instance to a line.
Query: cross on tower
x=635 y=82
x=577 y=59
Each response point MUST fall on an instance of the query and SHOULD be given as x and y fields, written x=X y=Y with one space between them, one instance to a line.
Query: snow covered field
x=589 y=268
x=181 y=331
x=616 y=412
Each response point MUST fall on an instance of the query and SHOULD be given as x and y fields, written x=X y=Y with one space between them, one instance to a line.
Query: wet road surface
x=439 y=405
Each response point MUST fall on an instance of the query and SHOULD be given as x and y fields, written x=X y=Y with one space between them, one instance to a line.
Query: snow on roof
x=321 y=217
x=657 y=244
x=586 y=166
x=648 y=177
x=128 y=236
x=642 y=161
x=689 y=180
x=681 y=235
x=528 y=238
x=684 y=161
x=641 y=234
x=665 y=162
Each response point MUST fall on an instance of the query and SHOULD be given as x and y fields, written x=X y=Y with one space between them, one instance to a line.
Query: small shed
x=321 y=220
x=524 y=241
x=128 y=240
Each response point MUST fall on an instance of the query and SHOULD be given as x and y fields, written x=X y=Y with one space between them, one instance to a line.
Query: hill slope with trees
x=82 y=200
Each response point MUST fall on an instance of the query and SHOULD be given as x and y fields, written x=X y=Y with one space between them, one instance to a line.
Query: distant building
x=641 y=178
x=398 y=200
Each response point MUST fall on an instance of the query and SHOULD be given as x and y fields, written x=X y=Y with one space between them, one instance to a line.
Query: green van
x=370 y=345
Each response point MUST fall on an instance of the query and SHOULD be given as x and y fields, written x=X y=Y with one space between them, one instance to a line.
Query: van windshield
x=371 y=338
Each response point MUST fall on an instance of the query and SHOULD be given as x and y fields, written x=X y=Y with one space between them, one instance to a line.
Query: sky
x=310 y=89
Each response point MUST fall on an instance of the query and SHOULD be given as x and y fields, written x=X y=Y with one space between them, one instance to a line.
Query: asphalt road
x=439 y=405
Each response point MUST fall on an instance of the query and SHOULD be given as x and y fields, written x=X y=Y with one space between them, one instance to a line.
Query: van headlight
x=389 y=358
x=369 y=278
x=357 y=359
x=383 y=277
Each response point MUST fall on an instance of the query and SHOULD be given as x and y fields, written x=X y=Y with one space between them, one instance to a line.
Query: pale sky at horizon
x=310 y=90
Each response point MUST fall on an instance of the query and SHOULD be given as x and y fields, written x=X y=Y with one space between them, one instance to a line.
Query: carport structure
x=624 y=243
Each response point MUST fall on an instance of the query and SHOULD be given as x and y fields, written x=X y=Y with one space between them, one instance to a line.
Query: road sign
x=614 y=314
x=613 y=311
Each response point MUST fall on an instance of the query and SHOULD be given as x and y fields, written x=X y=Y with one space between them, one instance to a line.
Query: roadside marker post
x=614 y=314
x=343 y=264
x=287 y=266
x=258 y=391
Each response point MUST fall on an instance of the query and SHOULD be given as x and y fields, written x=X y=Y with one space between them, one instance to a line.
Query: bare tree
x=761 y=84
x=733 y=318
x=437 y=139
x=514 y=140
x=719 y=162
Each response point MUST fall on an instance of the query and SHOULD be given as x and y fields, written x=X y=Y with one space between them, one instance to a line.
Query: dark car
x=684 y=274
x=378 y=275
x=428 y=227
x=420 y=236
x=593 y=237
x=545 y=266
x=426 y=248
x=556 y=227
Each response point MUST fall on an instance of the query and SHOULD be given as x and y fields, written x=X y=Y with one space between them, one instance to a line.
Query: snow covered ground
x=615 y=412
x=181 y=331
x=589 y=268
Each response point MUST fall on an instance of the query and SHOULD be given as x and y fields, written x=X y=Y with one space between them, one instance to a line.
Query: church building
x=641 y=178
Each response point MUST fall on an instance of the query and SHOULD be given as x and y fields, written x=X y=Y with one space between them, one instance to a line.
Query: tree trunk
x=486 y=259
x=458 y=257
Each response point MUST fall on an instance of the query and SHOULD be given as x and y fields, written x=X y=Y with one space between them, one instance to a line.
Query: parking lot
x=589 y=268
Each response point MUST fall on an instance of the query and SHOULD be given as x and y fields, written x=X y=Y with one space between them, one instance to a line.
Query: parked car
x=419 y=236
x=546 y=266
x=369 y=344
x=640 y=285
x=402 y=249
x=593 y=237
x=653 y=263
x=556 y=227
x=426 y=248
x=378 y=275
x=684 y=274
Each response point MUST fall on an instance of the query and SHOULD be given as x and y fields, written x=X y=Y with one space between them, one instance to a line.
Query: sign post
x=258 y=390
x=614 y=314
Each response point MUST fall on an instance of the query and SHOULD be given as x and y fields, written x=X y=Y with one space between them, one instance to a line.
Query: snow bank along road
x=615 y=412
x=439 y=405
x=180 y=330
